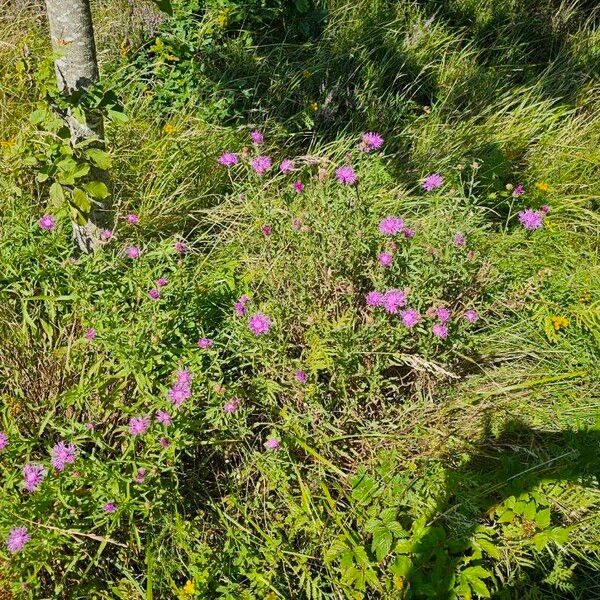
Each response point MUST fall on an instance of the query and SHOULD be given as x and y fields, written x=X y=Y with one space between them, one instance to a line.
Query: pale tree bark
x=72 y=33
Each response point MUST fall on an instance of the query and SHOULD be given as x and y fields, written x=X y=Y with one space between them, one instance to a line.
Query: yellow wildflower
x=306 y=74
x=314 y=106
x=559 y=322
x=189 y=588
x=7 y=143
x=544 y=187
x=585 y=296
x=168 y=128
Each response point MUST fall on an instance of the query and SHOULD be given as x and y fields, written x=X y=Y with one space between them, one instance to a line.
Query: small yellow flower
x=189 y=588
x=168 y=129
x=306 y=74
x=585 y=296
x=544 y=187
x=559 y=323
x=314 y=106
x=7 y=143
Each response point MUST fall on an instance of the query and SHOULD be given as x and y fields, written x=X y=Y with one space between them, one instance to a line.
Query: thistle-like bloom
x=519 y=190
x=286 y=165
x=109 y=507
x=409 y=233
x=459 y=240
x=33 y=475
x=229 y=159
x=531 y=219
x=410 y=317
x=371 y=141
x=391 y=225
x=140 y=476
x=138 y=425
x=443 y=314
x=393 y=300
x=301 y=376
x=471 y=315
x=257 y=137
x=266 y=229
x=296 y=224
x=106 y=235
x=133 y=252
x=440 y=331
x=17 y=538
x=432 y=181
x=132 y=219
x=385 y=259
x=231 y=405
x=3 y=440
x=154 y=294
x=182 y=389
x=47 y=222
x=161 y=282
x=346 y=175
x=299 y=187
x=259 y=324
x=544 y=209
x=205 y=343
x=180 y=248
x=63 y=454
x=90 y=334
x=164 y=418
x=272 y=444
x=240 y=305
x=374 y=299
x=164 y=442
x=261 y=164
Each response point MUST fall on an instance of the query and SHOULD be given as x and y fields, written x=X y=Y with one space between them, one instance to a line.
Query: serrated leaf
x=542 y=518
x=382 y=542
x=401 y=566
x=489 y=548
x=37 y=116
x=479 y=588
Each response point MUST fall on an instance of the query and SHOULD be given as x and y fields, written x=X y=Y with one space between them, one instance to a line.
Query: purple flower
x=301 y=376
x=161 y=282
x=17 y=538
x=257 y=137
x=385 y=259
x=205 y=343
x=154 y=294
x=63 y=454
x=164 y=418
x=296 y=224
x=440 y=331
x=531 y=219
x=182 y=389
x=346 y=175
x=133 y=252
x=240 y=305
x=371 y=141
x=299 y=187
x=90 y=426
x=272 y=444
x=443 y=314
x=164 y=442
x=432 y=181
x=393 y=300
x=231 y=405
x=286 y=165
x=110 y=507
x=266 y=229
x=545 y=209
x=132 y=219
x=106 y=235
x=374 y=299
x=184 y=377
x=33 y=475
x=259 y=324
x=138 y=425
x=140 y=476
x=410 y=317
x=3 y=440
x=519 y=190
x=228 y=159
x=47 y=222
x=180 y=248
x=90 y=334
x=409 y=233
x=471 y=315
x=391 y=225
x=261 y=164
x=459 y=240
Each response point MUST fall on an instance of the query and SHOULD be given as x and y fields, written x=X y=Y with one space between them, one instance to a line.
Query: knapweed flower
x=432 y=182
x=240 y=305
x=164 y=442
x=259 y=324
x=3 y=440
x=161 y=282
x=346 y=175
x=229 y=159
x=296 y=224
x=231 y=405
x=559 y=323
x=261 y=164
x=519 y=190
x=90 y=426
x=132 y=219
x=33 y=475
x=17 y=538
x=182 y=388
x=374 y=299
x=409 y=233
x=443 y=314
x=63 y=454
x=544 y=187
x=440 y=331
x=266 y=229
x=180 y=248
x=301 y=376
x=257 y=137
x=393 y=300
x=385 y=259
x=391 y=225
x=286 y=165
x=471 y=315
x=90 y=334
x=272 y=444
x=459 y=240
x=410 y=317
x=205 y=343
x=531 y=219
x=371 y=141
x=164 y=418
x=138 y=425
x=299 y=187
x=140 y=476
x=154 y=294
x=133 y=252
x=47 y=222
x=109 y=507
x=545 y=209
x=106 y=235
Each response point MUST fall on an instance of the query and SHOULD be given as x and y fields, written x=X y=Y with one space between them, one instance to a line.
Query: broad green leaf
x=97 y=189
x=57 y=194
x=81 y=201
x=382 y=542
x=165 y=6
x=99 y=158
x=542 y=518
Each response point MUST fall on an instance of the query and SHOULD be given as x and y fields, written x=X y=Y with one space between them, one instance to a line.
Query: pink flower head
x=272 y=444
x=409 y=233
x=140 y=476
x=180 y=248
x=3 y=440
x=164 y=442
x=286 y=165
x=229 y=159
x=109 y=507
x=261 y=164
x=432 y=181
x=205 y=343
x=459 y=240
x=385 y=259
x=17 y=538
x=231 y=405
x=545 y=209
x=296 y=224
x=440 y=330
x=519 y=190
x=393 y=300
x=164 y=418
x=154 y=294
x=132 y=219
x=182 y=388
x=133 y=252
x=391 y=225
x=106 y=235
x=299 y=187
x=259 y=324
x=90 y=334
x=257 y=137
x=410 y=317
x=63 y=454
x=161 y=282
x=47 y=222
x=266 y=229
x=374 y=299
x=90 y=426
x=471 y=315
x=531 y=219
x=346 y=175
x=33 y=475
x=301 y=376
x=184 y=377
x=443 y=314
x=240 y=305
x=371 y=141
x=138 y=425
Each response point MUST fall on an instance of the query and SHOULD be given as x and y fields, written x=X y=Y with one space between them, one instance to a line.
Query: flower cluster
x=181 y=390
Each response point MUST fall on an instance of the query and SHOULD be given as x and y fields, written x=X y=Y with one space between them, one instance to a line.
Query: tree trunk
x=72 y=34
